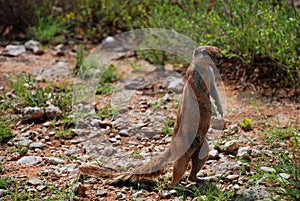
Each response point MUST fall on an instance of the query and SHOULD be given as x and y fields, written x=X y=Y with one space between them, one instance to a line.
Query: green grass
x=47 y=29
x=168 y=127
x=5 y=130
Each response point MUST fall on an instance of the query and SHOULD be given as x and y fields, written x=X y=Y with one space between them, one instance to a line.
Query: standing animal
x=190 y=129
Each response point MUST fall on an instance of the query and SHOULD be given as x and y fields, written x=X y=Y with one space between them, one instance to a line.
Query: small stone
x=44 y=172
x=124 y=133
x=174 y=84
x=14 y=50
x=95 y=123
x=213 y=154
x=30 y=44
x=15 y=156
x=268 y=169
x=22 y=141
x=55 y=161
x=52 y=112
x=71 y=152
x=284 y=175
x=243 y=152
x=59 y=50
x=34 y=181
x=112 y=140
x=255 y=152
x=2 y=192
x=166 y=97
x=79 y=189
x=101 y=192
x=232 y=129
x=231 y=146
x=137 y=83
x=41 y=187
x=32 y=113
x=232 y=177
x=29 y=160
x=38 y=145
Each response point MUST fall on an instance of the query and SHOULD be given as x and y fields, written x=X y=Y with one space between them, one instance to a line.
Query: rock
x=101 y=192
x=15 y=156
x=52 y=112
x=35 y=181
x=95 y=123
x=57 y=71
x=137 y=83
x=232 y=129
x=79 y=189
x=22 y=141
x=232 y=177
x=14 y=50
x=33 y=113
x=255 y=152
x=71 y=152
x=33 y=46
x=59 y=50
x=257 y=192
x=231 y=146
x=284 y=175
x=244 y=152
x=2 y=192
x=44 y=172
x=217 y=123
x=38 y=145
x=30 y=44
x=175 y=84
x=124 y=133
x=166 y=97
x=55 y=161
x=213 y=154
x=268 y=169
x=29 y=160
x=119 y=122
x=41 y=187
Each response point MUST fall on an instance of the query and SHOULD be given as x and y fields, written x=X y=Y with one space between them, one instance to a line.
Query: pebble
x=232 y=177
x=55 y=161
x=101 y=192
x=41 y=187
x=38 y=145
x=52 y=112
x=71 y=152
x=231 y=146
x=29 y=160
x=268 y=169
x=15 y=156
x=284 y=175
x=34 y=181
x=244 y=152
x=33 y=113
x=44 y=172
x=232 y=129
x=22 y=141
x=213 y=154
x=174 y=84
x=79 y=189
x=14 y=50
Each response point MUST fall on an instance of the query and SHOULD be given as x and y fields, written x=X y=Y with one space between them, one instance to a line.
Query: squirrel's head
x=205 y=53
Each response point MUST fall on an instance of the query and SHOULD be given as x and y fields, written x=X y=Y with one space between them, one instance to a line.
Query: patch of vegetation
x=6 y=182
x=105 y=89
x=168 y=127
x=246 y=124
x=47 y=29
x=106 y=112
x=5 y=130
x=80 y=55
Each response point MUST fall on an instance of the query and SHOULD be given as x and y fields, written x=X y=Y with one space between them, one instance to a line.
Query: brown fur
x=190 y=129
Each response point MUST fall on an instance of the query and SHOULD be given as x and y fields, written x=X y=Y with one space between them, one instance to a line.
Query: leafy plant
x=106 y=112
x=47 y=28
x=167 y=129
x=246 y=124
x=5 y=130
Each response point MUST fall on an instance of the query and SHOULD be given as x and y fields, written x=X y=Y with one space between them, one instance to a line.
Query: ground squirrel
x=190 y=129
